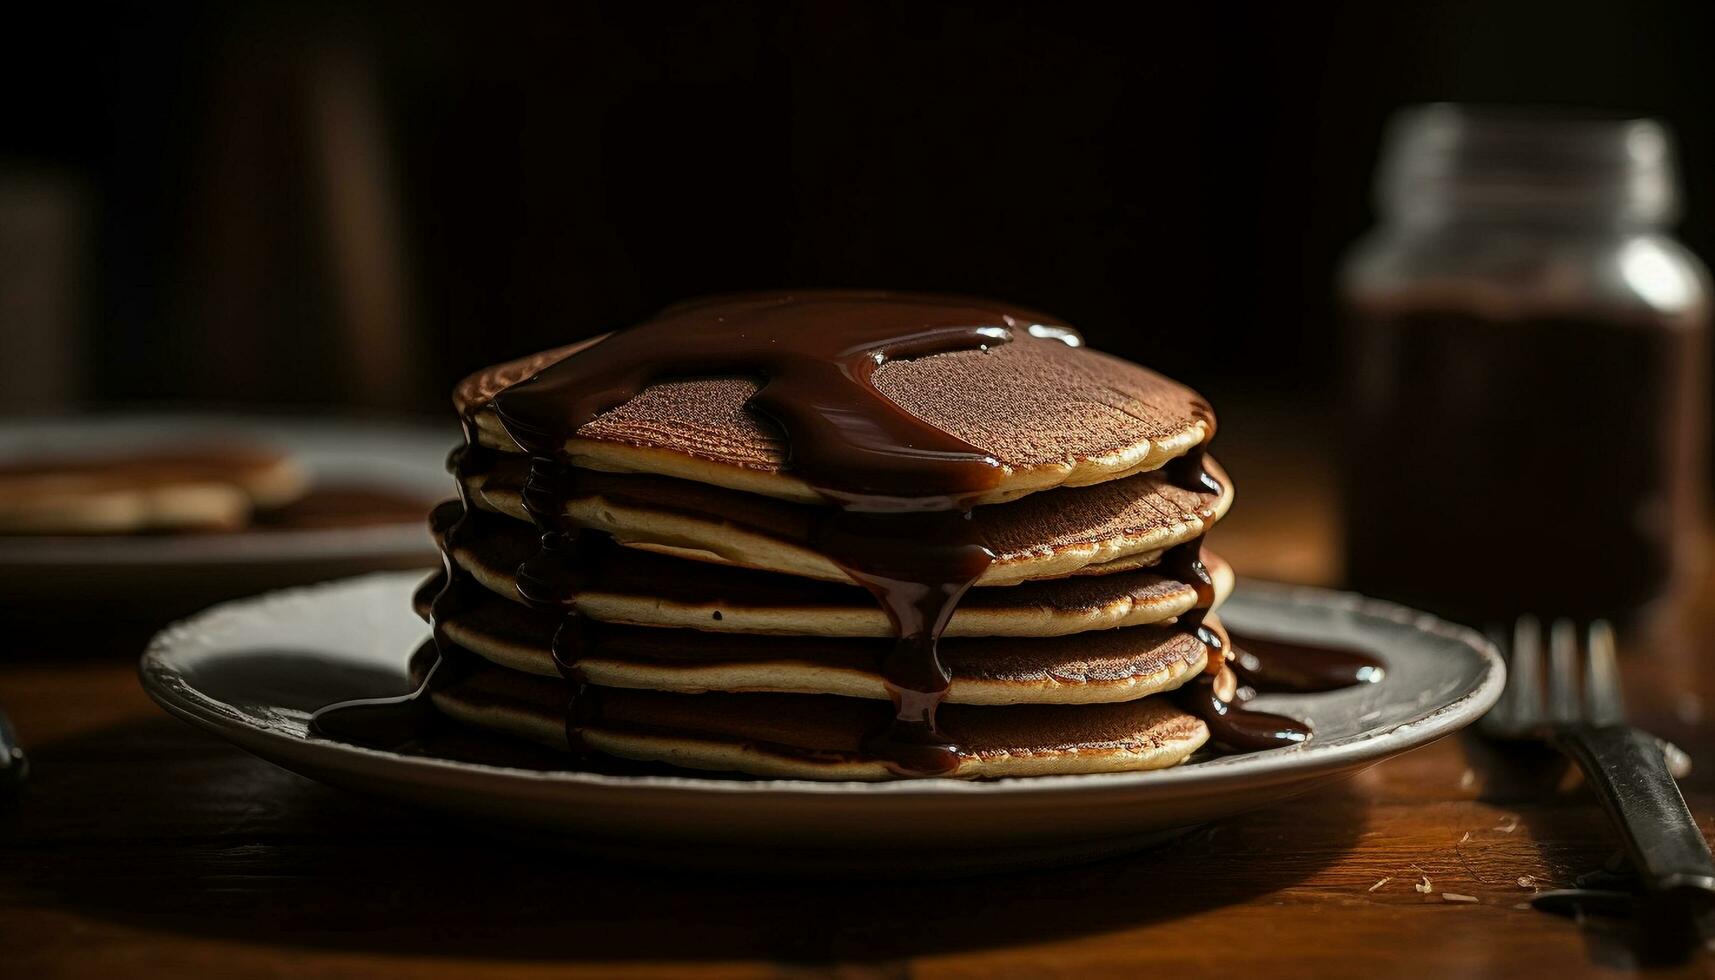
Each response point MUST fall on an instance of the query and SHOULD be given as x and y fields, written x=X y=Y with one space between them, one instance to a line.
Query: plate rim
x=168 y=688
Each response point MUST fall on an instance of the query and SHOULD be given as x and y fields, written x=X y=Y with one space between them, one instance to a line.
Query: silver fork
x=1584 y=717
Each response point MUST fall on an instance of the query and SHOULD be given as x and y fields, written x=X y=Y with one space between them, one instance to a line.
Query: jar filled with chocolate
x=1526 y=370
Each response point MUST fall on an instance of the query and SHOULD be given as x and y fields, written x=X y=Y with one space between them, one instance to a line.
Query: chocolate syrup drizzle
x=391 y=722
x=1212 y=697
x=901 y=488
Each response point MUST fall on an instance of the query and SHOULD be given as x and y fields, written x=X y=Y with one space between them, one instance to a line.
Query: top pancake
x=1050 y=414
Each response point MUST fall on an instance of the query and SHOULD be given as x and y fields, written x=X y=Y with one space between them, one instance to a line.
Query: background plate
x=168 y=574
x=252 y=671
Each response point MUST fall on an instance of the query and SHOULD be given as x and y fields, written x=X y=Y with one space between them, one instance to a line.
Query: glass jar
x=1526 y=370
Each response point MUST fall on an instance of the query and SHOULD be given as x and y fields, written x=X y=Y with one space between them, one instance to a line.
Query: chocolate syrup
x=571 y=641
x=902 y=488
x=1231 y=725
x=1184 y=563
x=388 y=723
x=1300 y=668
x=384 y=723
x=814 y=355
x=1283 y=667
x=1272 y=666
x=1578 y=432
x=1235 y=727
x=1190 y=471
x=448 y=523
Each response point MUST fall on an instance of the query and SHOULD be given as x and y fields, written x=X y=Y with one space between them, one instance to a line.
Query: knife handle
x=1628 y=770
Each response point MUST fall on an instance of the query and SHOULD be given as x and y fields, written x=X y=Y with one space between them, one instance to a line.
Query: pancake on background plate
x=193 y=488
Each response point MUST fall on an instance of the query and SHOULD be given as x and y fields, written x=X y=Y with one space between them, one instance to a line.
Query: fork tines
x=1582 y=682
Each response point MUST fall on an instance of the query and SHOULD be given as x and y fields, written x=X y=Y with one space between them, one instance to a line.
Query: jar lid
x=1446 y=161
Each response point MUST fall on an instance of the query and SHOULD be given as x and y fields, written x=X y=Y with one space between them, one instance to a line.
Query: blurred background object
x=346 y=209
x=44 y=260
x=1527 y=374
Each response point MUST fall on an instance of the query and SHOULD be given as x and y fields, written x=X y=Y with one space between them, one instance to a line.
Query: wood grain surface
x=142 y=847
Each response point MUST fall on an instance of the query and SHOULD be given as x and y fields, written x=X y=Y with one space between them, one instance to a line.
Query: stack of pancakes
x=711 y=633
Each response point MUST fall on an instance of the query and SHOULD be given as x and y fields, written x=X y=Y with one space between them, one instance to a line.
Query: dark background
x=310 y=205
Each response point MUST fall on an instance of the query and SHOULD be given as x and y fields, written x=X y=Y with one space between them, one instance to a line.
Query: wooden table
x=143 y=847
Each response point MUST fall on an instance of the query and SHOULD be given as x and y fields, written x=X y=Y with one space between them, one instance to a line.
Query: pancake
x=1091 y=668
x=1124 y=523
x=1050 y=414
x=191 y=488
x=625 y=585
x=818 y=736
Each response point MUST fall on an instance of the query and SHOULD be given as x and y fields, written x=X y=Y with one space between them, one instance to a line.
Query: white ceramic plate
x=145 y=568
x=252 y=671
